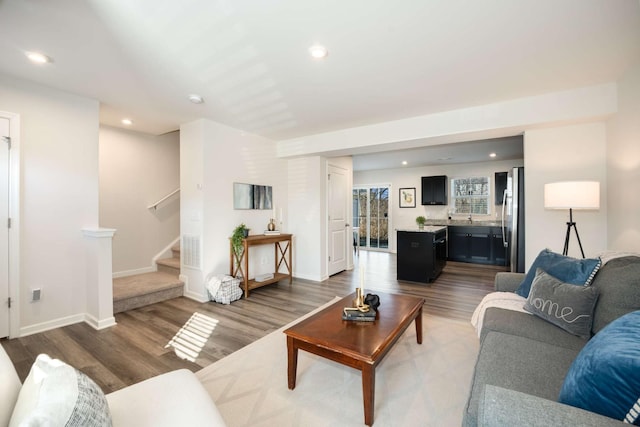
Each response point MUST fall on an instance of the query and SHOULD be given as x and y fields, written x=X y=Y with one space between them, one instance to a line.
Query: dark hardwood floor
x=134 y=349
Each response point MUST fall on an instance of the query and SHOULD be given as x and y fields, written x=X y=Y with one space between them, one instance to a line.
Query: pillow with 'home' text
x=567 y=306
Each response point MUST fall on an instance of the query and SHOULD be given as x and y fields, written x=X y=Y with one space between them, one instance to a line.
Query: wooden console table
x=239 y=265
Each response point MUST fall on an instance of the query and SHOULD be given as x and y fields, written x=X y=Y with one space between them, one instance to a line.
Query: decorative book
x=271 y=233
x=359 y=316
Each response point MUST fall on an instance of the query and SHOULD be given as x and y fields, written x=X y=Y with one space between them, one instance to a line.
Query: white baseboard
x=166 y=251
x=196 y=296
x=311 y=278
x=52 y=324
x=100 y=324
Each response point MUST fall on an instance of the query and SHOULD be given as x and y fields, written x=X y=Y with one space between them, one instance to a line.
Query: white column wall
x=213 y=157
x=623 y=166
x=569 y=153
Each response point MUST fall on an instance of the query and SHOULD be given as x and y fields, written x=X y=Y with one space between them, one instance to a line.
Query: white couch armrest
x=176 y=398
x=10 y=386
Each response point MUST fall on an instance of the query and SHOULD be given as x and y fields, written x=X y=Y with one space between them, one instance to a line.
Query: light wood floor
x=134 y=349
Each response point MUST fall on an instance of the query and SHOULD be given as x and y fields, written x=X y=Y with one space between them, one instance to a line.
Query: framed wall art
x=407 y=198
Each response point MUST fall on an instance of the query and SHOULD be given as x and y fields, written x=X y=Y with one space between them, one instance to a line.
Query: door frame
x=14 y=214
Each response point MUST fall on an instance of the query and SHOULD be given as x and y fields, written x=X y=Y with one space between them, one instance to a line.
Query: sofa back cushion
x=618 y=283
x=9 y=387
x=564 y=268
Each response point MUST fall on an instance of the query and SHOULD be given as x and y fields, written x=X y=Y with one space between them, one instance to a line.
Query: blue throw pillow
x=564 y=268
x=605 y=377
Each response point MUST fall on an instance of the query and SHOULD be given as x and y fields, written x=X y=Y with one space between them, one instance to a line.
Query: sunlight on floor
x=193 y=336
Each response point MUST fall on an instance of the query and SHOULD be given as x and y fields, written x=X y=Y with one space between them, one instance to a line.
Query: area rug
x=416 y=385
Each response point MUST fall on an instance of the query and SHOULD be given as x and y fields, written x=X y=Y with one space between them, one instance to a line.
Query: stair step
x=169 y=265
x=144 y=289
x=175 y=249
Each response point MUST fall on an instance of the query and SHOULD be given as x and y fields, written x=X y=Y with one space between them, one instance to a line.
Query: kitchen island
x=422 y=254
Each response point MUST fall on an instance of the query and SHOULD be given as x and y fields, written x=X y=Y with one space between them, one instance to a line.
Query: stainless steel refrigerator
x=512 y=219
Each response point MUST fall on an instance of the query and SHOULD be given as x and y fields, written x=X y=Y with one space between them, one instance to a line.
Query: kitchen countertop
x=465 y=222
x=427 y=229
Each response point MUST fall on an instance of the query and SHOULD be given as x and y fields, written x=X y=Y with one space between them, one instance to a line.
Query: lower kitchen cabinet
x=476 y=244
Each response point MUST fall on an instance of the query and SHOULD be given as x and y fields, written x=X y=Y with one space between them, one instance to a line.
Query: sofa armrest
x=501 y=407
x=508 y=282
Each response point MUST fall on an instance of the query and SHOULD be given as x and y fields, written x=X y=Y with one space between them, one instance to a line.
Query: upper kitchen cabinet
x=501 y=185
x=434 y=190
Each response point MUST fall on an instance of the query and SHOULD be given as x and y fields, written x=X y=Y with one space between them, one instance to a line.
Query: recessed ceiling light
x=38 y=58
x=318 y=51
x=404 y=162
x=196 y=99
x=445 y=158
x=492 y=155
x=127 y=122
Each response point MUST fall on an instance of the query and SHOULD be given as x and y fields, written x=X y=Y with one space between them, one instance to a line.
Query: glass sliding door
x=371 y=216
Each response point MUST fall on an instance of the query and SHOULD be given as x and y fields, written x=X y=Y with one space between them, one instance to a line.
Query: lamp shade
x=572 y=195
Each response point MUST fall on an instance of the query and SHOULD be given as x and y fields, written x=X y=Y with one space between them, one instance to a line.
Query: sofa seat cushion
x=520 y=364
x=56 y=394
x=528 y=326
x=567 y=269
x=176 y=398
x=618 y=283
x=605 y=377
x=501 y=407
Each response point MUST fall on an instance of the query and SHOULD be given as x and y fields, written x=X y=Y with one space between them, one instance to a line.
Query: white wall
x=411 y=178
x=569 y=153
x=623 y=166
x=307 y=210
x=59 y=197
x=213 y=157
x=137 y=170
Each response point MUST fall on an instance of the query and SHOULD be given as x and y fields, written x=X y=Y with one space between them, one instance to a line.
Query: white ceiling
x=249 y=58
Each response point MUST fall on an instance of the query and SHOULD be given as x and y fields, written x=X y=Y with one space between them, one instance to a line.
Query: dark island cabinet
x=434 y=190
x=476 y=244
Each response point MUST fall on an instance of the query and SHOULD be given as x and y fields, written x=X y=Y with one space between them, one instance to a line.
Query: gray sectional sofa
x=523 y=359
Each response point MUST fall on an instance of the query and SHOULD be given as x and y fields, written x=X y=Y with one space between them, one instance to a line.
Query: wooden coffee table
x=360 y=345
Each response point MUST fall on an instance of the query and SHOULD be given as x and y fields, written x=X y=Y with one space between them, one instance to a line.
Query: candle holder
x=359 y=300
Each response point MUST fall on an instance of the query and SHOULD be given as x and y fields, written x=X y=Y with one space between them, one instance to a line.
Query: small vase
x=420 y=226
x=272 y=225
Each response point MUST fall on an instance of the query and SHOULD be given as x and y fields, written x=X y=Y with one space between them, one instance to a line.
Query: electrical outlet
x=35 y=294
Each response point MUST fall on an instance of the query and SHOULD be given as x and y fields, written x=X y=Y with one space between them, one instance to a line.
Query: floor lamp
x=572 y=195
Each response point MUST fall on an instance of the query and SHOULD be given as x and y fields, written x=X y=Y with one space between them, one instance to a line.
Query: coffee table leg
x=419 y=326
x=292 y=362
x=368 y=392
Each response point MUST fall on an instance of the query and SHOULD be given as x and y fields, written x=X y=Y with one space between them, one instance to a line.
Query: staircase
x=149 y=288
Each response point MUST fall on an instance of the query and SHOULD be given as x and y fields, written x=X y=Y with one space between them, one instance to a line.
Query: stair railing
x=155 y=205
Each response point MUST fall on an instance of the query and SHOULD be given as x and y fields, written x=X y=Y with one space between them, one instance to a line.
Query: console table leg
x=368 y=392
x=419 y=326
x=292 y=362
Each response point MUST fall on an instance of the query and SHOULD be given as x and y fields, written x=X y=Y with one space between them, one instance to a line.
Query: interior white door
x=338 y=227
x=4 y=228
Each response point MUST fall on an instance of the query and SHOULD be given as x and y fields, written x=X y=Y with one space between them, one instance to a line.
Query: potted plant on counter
x=421 y=221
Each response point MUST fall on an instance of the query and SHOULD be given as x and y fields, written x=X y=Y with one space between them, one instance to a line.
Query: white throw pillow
x=56 y=394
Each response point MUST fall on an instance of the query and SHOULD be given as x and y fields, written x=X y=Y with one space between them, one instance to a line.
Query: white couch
x=172 y=399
